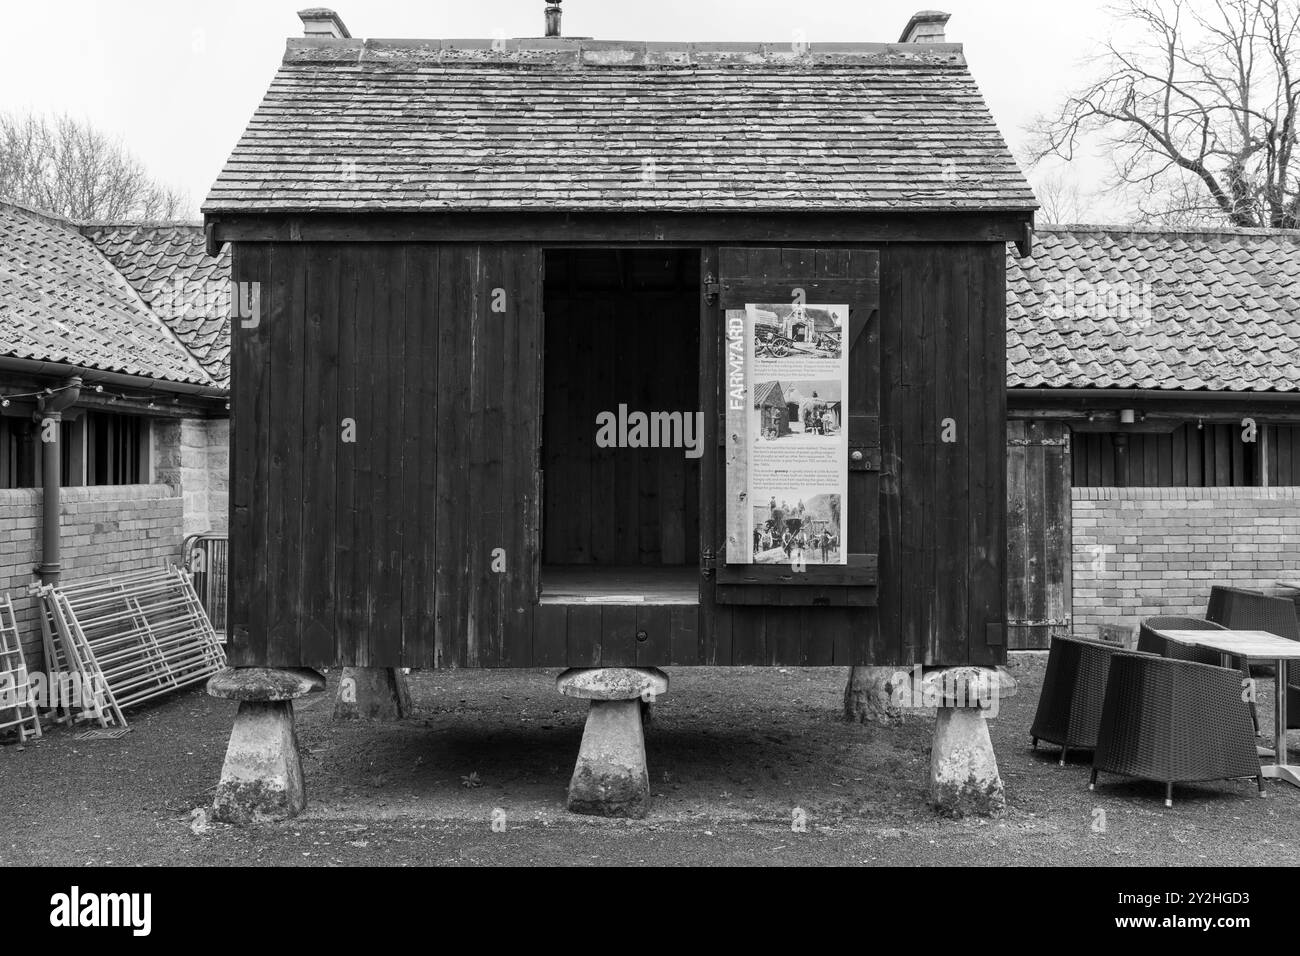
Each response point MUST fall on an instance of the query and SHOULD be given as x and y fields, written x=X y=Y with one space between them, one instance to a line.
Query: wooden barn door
x=1039 y=534
x=755 y=276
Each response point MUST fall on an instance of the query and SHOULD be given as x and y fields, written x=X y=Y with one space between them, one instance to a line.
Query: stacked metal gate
x=128 y=638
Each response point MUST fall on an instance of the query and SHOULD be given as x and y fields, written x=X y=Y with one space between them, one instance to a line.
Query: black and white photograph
x=562 y=433
x=797 y=410
x=798 y=330
x=798 y=527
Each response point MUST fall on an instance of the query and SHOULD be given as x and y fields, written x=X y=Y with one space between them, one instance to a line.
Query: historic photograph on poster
x=815 y=331
x=800 y=411
x=794 y=525
x=787 y=461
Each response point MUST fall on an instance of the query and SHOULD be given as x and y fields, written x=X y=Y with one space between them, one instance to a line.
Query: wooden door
x=1039 y=534
x=753 y=276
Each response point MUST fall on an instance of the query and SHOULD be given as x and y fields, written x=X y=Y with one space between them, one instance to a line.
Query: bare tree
x=1060 y=199
x=66 y=166
x=1198 y=106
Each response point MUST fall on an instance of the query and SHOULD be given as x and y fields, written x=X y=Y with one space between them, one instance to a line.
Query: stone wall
x=193 y=456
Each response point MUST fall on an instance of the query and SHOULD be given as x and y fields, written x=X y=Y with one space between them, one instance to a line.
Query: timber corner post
x=261 y=779
x=610 y=778
x=372 y=693
x=964 y=777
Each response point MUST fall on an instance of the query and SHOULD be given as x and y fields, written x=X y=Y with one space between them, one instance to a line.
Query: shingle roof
x=1118 y=307
x=168 y=264
x=63 y=301
x=386 y=125
x=768 y=393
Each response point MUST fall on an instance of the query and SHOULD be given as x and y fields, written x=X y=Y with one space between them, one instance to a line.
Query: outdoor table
x=1255 y=646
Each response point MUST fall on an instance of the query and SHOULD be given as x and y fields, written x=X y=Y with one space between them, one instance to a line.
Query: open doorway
x=622 y=435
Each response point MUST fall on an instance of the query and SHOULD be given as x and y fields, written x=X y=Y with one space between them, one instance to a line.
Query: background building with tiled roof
x=168 y=266
x=1154 y=396
x=115 y=336
x=66 y=303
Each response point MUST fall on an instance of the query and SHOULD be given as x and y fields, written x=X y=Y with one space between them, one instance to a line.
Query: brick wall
x=1140 y=552
x=105 y=529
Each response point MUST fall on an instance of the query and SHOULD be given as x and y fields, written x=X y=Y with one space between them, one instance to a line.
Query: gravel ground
x=733 y=753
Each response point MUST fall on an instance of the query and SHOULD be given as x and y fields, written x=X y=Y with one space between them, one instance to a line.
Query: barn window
x=1212 y=455
x=98 y=448
x=19 y=450
x=116 y=449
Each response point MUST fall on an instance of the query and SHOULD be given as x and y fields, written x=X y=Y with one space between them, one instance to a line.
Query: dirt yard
x=733 y=753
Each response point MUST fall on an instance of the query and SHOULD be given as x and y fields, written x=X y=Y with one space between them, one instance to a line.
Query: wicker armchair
x=1222 y=598
x=1074 y=687
x=1175 y=722
x=1150 y=641
x=1242 y=610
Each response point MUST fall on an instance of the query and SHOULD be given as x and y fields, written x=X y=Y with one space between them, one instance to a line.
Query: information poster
x=787 y=461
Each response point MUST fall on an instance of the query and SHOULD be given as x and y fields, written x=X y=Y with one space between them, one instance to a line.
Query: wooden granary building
x=469 y=251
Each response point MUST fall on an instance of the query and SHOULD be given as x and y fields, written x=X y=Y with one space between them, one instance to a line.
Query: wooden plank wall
x=379 y=551
x=1212 y=456
x=621 y=328
x=943 y=529
x=1039 y=534
x=1282 y=455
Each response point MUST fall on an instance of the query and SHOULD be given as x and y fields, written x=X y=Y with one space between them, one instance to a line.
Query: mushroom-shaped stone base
x=611 y=778
x=261 y=778
x=372 y=693
x=964 y=778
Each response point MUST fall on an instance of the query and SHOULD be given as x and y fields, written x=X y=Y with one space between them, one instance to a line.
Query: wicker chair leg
x=1259 y=782
x=1169 y=795
x=1035 y=740
x=1092 y=784
x=1247 y=678
x=1064 y=750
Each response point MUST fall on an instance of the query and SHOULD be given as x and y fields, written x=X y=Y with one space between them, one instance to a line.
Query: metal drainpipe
x=49 y=415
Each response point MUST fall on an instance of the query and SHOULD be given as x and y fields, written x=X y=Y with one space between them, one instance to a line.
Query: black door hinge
x=707 y=561
x=711 y=289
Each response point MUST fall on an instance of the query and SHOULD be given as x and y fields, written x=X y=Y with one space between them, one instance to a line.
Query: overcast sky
x=178 y=79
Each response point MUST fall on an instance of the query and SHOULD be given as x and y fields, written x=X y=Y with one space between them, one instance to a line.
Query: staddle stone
x=613 y=683
x=265 y=683
x=964 y=778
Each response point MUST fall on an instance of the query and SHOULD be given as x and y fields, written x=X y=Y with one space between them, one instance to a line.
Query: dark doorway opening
x=621 y=426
